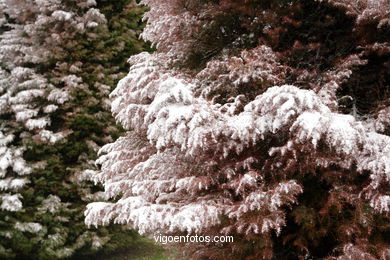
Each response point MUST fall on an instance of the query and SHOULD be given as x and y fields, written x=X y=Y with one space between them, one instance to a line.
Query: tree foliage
x=265 y=120
x=58 y=62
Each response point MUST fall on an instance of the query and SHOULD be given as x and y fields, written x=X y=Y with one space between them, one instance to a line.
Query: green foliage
x=55 y=198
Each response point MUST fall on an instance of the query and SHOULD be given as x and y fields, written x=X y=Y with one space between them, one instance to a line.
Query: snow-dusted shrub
x=58 y=61
x=265 y=120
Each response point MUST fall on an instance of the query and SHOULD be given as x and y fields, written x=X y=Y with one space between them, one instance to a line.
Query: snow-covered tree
x=58 y=61
x=265 y=120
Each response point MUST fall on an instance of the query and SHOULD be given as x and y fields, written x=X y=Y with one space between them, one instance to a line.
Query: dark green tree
x=59 y=60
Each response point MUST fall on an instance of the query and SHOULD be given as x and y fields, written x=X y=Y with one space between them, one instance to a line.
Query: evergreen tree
x=265 y=120
x=58 y=62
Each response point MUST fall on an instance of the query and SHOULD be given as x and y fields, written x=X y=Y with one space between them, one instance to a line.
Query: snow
x=29 y=227
x=186 y=159
x=10 y=202
x=62 y=15
x=12 y=184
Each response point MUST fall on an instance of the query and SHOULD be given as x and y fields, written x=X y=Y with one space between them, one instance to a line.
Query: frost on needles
x=239 y=124
x=39 y=77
